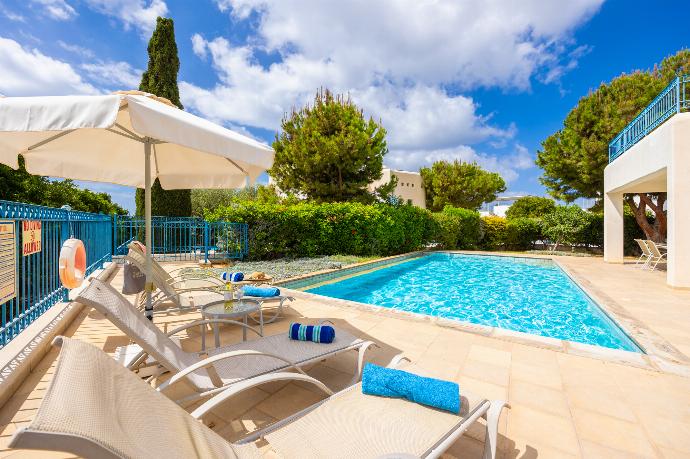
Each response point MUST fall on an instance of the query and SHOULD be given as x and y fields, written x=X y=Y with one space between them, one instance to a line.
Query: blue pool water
x=527 y=295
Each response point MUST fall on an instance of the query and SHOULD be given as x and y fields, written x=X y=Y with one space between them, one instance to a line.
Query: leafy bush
x=530 y=206
x=565 y=225
x=521 y=233
x=494 y=232
x=309 y=229
x=458 y=228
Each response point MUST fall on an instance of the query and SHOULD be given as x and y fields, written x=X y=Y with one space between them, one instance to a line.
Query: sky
x=473 y=80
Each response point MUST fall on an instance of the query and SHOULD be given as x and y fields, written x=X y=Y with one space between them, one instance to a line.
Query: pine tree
x=160 y=78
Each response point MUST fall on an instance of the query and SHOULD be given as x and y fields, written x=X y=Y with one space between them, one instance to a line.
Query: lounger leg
x=491 y=438
x=360 y=361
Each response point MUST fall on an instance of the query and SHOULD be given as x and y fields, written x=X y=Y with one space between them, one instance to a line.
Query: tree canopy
x=160 y=78
x=530 y=206
x=574 y=157
x=459 y=184
x=328 y=151
x=19 y=185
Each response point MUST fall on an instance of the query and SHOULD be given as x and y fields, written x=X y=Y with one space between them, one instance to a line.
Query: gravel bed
x=285 y=268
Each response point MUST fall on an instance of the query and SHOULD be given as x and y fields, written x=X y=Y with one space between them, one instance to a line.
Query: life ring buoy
x=72 y=263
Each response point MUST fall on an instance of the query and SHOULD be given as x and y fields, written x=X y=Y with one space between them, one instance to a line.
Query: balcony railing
x=673 y=99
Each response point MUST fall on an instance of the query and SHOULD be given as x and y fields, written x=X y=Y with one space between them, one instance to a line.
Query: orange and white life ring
x=72 y=263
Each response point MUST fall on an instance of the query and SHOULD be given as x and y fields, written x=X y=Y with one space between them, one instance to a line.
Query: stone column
x=613 y=227
x=678 y=206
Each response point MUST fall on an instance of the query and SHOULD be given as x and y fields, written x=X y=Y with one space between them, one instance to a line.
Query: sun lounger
x=94 y=408
x=229 y=364
x=656 y=255
x=192 y=291
x=646 y=254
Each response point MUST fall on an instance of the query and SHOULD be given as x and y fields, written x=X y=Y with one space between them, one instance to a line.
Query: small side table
x=241 y=309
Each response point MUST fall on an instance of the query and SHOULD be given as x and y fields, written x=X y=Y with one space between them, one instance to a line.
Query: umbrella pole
x=147 y=218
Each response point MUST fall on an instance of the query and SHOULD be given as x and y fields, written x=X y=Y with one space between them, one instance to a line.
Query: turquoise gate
x=35 y=271
x=29 y=278
x=183 y=238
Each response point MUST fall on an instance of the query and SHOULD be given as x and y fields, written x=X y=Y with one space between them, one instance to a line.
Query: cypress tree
x=160 y=78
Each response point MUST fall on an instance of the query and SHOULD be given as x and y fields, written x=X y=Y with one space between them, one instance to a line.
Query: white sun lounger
x=230 y=364
x=191 y=292
x=95 y=408
x=656 y=256
x=646 y=254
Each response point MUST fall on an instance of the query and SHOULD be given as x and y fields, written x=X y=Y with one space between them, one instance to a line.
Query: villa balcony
x=674 y=99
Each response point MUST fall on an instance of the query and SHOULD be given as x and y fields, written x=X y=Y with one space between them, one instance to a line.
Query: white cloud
x=115 y=75
x=199 y=46
x=140 y=14
x=12 y=16
x=76 y=49
x=508 y=166
x=57 y=9
x=28 y=72
x=409 y=63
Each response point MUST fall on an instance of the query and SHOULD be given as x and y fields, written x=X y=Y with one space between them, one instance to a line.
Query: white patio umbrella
x=107 y=138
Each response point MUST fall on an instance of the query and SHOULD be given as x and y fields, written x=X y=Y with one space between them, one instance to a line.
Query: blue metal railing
x=37 y=281
x=675 y=98
x=183 y=238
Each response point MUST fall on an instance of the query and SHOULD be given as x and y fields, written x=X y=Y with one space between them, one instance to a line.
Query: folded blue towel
x=264 y=292
x=232 y=277
x=388 y=382
x=315 y=333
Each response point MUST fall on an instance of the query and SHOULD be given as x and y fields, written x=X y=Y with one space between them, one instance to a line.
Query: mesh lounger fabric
x=157 y=344
x=98 y=403
x=351 y=424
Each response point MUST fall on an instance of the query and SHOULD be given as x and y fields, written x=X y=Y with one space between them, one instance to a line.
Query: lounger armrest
x=198 y=323
x=397 y=360
x=223 y=356
x=254 y=382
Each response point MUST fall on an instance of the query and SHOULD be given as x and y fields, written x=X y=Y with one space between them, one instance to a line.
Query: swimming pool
x=523 y=294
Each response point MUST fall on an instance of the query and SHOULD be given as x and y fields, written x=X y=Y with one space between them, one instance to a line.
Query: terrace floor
x=563 y=405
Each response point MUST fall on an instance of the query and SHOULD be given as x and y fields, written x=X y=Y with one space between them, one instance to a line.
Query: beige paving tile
x=601 y=401
x=592 y=450
x=668 y=433
x=488 y=372
x=542 y=375
x=539 y=397
x=490 y=355
x=613 y=432
x=539 y=428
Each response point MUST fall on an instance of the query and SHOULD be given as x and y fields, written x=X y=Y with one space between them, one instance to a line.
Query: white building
x=645 y=158
x=410 y=186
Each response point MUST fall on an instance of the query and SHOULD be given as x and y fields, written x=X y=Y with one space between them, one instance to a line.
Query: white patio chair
x=646 y=254
x=656 y=255
x=95 y=408
x=230 y=364
x=191 y=291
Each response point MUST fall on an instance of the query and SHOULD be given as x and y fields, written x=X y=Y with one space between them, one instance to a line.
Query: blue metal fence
x=183 y=238
x=37 y=280
x=675 y=98
x=38 y=285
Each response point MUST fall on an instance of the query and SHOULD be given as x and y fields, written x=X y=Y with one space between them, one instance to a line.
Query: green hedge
x=457 y=228
x=308 y=229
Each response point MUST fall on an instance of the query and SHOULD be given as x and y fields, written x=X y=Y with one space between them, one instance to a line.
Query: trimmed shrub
x=521 y=233
x=456 y=228
x=565 y=224
x=494 y=233
x=309 y=229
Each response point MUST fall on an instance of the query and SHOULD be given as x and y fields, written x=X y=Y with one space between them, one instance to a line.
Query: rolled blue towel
x=315 y=333
x=388 y=382
x=232 y=277
x=264 y=292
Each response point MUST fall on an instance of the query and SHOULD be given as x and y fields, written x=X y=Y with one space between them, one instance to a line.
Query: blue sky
x=471 y=80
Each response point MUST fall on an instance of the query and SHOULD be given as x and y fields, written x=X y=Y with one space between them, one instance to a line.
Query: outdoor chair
x=94 y=408
x=223 y=366
x=656 y=255
x=191 y=291
x=646 y=254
